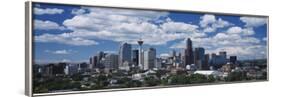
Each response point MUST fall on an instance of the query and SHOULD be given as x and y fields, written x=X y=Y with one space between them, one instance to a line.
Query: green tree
x=236 y=76
x=178 y=79
x=211 y=78
x=151 y=81
x=197 y=78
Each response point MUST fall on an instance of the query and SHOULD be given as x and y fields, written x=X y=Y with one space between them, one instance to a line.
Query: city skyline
x=81 y=48
x=63 y=39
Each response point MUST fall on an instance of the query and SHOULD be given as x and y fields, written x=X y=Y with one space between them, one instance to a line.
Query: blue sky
x=74 y=33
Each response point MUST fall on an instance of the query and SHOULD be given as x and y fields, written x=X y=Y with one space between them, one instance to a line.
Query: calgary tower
x=140 y=42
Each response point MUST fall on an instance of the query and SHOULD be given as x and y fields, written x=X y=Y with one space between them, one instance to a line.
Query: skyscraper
x=233 y=59
x=189 y=58
x=71 y=69
x=174 y=58
x=218 y=60
x=125 y=55
x=223 y=57
x=111 y=61
x=213 y=60
x=206 y=62
x=149 y=58
x=91 y=65
x=183 y=57
x=223 y=54
x=93 y=62
x=199 y=57
x=135 y=57
x=140 y=42
x=100 y=57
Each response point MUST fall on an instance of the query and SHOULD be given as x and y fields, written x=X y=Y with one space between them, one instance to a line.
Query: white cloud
x=64 y=38
x=60 y=52
x=122 y=25
x=264 y=39
x=209 y=23
x=41 y=11
x=173 y=27
x=59 y=60
x=165 y=55
x=78 y=11
x=234 y=30
x=111 y=52
x=248 y=31
x=239 y=30
x=47 y=25
x=207 y=19
x=253 y=21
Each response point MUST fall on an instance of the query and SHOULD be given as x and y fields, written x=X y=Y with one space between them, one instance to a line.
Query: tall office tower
x=91 y=65
x=183 y=57
x=149 y=58
x=125 y=56
x=189 y=53
x=135 y=57
x=213 y=59
x=158 y=63
x=111 y=61
x=54 y=69
x=223 y=56
x=93 y=62
x=71 y=69
x=83 y=67
x=100 y=57
x=233 y=59
x=206 y=62
x=179 y=56
x=174 y=57
x=174 y=53
x=48 y=70
x=140 y=42
x=199 y=57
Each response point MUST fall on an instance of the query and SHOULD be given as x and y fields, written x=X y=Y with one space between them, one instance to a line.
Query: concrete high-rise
x=149 y=58
x=111 y=61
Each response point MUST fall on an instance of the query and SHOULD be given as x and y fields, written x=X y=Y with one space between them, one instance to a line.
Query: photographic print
x=82 y=48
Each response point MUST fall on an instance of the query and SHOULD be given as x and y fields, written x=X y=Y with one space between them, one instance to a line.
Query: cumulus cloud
x=264 y=39
x=156 y=28
x=64 y=38
x=60 y=52
x=78 y=11
x=122 y=25
x=209 y=23
x=178 y=27
x=51 y=11
x=253 y=21
x=47 y=25
x=239 y=30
